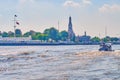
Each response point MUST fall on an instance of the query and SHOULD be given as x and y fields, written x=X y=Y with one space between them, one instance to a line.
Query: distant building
x=32 y=32
x=10 y=34
x=77 y=38
x=71 y=34
x=85 y=38
x=14 y=39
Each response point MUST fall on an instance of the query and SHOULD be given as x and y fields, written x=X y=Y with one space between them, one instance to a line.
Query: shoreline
x=42 y=44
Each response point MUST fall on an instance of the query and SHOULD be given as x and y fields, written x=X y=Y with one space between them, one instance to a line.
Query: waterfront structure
x=85 y=38
x=14 y=39
x=10 y=34
x=71 y=34
x=15 y=36
x=32 y=32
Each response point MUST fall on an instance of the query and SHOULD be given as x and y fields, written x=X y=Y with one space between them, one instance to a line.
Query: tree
x=18 y=33
x=27 y=34
x=114 y=39
x=63 y=35
x=42 y=37
x=4 y=34
x=36 y=36
x=95 y=39
x=52 y=33
x=106 y=39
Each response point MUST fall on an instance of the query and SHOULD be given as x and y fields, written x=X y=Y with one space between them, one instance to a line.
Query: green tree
x=27 y=34
x=114 y=39
x=42 y=37
x=18 y=33
x=63 y=35
x=36 y=36
x=106 y=39
x=95 y=39
x=4 y=34
x=52 y=33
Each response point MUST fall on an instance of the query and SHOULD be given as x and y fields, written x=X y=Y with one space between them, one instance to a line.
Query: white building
x=15 y=38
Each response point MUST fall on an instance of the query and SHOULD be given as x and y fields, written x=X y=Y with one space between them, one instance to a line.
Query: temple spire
x=70 y=29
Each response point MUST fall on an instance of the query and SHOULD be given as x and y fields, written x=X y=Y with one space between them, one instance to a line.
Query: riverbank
x=35 y=43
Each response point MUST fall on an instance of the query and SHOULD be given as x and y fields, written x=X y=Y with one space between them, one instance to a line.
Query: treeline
x=53 y=34
x=105 y=39
x=48 y=34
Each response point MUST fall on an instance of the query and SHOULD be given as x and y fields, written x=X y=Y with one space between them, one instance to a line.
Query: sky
x=92 y=16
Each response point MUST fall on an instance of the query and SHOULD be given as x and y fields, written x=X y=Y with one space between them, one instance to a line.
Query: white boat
x=105 y=47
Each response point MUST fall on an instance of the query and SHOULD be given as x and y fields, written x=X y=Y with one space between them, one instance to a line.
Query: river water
x=79 y=62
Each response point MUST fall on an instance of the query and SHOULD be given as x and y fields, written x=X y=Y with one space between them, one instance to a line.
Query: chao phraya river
x=81 y=62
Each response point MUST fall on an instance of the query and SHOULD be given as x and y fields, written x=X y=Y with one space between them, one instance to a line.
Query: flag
x=17 y=23
x=15 y=15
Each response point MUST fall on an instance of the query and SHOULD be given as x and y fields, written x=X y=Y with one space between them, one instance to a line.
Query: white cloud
x=109 y=8
x=87 y=2
x=24 y=1
x=71 y=3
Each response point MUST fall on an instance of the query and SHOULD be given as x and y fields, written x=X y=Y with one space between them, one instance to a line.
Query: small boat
x=105 y=47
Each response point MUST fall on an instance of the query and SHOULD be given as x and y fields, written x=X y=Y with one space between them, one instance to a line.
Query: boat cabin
x=105 y=47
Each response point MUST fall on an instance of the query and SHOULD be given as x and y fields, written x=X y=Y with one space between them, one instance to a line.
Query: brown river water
x=58 y=63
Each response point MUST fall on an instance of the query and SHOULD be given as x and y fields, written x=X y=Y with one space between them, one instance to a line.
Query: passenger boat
x=105 y=47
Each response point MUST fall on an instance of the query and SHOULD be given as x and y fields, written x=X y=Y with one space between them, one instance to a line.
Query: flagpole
x=14 y=25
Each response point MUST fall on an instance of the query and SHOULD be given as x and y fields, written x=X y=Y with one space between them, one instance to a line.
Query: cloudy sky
x=92 y=16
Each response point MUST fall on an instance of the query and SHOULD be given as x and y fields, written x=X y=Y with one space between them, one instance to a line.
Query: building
x=14 y=39
x=85 y=38
x=71 y=34
x=32 y=32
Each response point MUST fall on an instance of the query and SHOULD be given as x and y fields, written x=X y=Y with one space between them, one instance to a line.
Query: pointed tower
x=71 y=34
x=85 y=34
